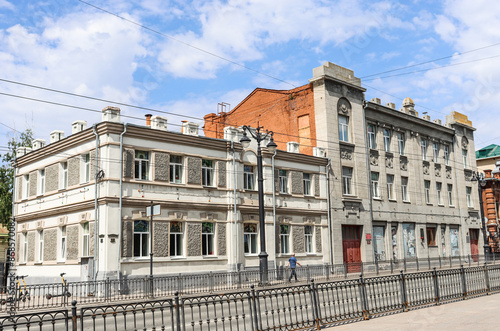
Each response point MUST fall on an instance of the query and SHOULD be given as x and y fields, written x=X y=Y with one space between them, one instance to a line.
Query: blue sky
x=70 y=46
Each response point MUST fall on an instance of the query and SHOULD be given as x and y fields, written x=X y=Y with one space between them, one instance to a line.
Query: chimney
x=190 y=128
x=38 y=143
x=78 y=126
x=21 y=151
x=111 y=114
x=426 y=117
x=148 y=119
x=437 y=121
x=232 y=133
x=292 y=147
x=391 y=105
x=158 y=122
x=56 y=135
x=376 y=100
x=319 y=152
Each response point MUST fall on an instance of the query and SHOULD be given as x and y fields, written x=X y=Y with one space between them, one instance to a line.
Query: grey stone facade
x=74 y=171
x=50 y=245
x=52 y=178
x=128 y=163
x=298 y=238
x=317 y=236
x=161 y=239
x=31 y=246
x=72 y=242
x=127 y=238
x=33 y=183
x=194 y=239
x=161 y=167
x=297 y=179
x=194 y=171
x=91 y=238
x=221 y=171
x=221 y=239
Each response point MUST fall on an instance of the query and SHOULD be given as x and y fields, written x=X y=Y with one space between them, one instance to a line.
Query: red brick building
x=491 y=201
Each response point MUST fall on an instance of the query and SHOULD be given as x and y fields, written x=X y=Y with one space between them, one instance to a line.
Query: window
x=25 y=247
x=207 y=239
x=283 y=181
x=63 y=243
x=26 y=186
x=250 y=238
x=248 y=177
x=307 y=183
x=308 y=233
x=343 y=128
x=41 y=182
x=375 y=190
x=390 y=187
x=207 y=172
x=371 y=136
x=175 y=169
x=379 y=243
x=141 y=165
x=40 y=246
x=468 y=193
x=431 y=236
x=404 y=189
x=446 y=149
x=401 y=143
x=141 y=238
x=63 y=177
x=465 y=159
x=85 y=168
x=435 y=152
x=387 y=140
x=176 y=239
x=438 y=193
x=347 y=181
x=85 y=239
x=284 y=238
x=450 y=194
x=427 y=190
x=423 y=147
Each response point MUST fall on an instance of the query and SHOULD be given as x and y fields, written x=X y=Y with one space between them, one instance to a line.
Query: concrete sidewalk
x=480 y=313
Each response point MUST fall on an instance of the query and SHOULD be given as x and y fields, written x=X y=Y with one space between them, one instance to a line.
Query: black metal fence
x=310 y=305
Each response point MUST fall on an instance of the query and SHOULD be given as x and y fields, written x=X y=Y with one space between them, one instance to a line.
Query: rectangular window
x=207 y=172
x=423 y=147
x=387 y=140
x=85 y=168
x=176 y=242
x=284 y=239
x=308 y=233
x=250 y=238
x=390 y=187
x=450 y=194
x=427 y=191
x=465 y=158
x=283 y=178
x=25 y=247
x=371 y=136
x=446 y=149
x=307 y=183
x=401 y=143
x=41 y=182
x=379 y=243
x=435 y=152
x=63 y=243
x=176 y=169
x=207 y=239
x=141 y=165
x=26 y=186
x=468 y=193
x=40 y=246
x=404 y=189
x=85 y=239
x=63 y=177
x=347 y=181
x=248 y=177
x=375 y=190
x=141 y=238
x=343 y=128
x=455 y=250
x=409 y=240
x=431 y=236
x=438 y=193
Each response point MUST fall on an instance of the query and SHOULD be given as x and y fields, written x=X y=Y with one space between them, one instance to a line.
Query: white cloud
x=6 y=4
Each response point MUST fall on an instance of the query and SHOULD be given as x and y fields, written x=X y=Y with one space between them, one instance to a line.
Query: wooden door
x=351 y=242
x=474 y=248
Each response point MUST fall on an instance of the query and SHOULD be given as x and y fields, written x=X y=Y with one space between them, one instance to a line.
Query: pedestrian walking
x=292 y=263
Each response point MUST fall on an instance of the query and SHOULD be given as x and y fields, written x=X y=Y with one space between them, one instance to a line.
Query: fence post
x=376 y=266
x=404 y=297
x=362 y=292
x=392 y=265
x=436 y=285
x=211 y=282
x=418 y=265
x=254 y=308
x=108 y=290
x=404 y=263
x=177 y=311
x=464 y=284
x=450 y=262
x=439 y=261
x=239 y=278
x=345 y=269
x=468 y=257
x=179 y=283
x=308 y=273
x=314 y=302
x=429 y=261
x=73 y=316
x=487 y=278
x=327 y=271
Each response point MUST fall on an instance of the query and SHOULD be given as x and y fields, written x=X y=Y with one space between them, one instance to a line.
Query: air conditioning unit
x=61 y=221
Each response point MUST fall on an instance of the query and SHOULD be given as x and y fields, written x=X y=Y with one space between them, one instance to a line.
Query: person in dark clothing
x=292 y=263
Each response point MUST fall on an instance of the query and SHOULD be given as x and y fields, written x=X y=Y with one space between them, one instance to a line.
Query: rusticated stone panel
x=297 y=179
x=92 y=164
x=221 y=236
x=160 y=238
x=33 y=183
x=31 y=246
x=276 y=181
x=52 y=178
x=91 y=238
x=316 y=184
x=161 y=167
x=72 y=242
x=127 y=238
x=194 y=239
x=128 y=163
x=74 y=171
x=298 y=238
x=18 y=247
x=50 y=245
x=194 y=173
x=319 y=247
x=221 y=173
x=19 y=188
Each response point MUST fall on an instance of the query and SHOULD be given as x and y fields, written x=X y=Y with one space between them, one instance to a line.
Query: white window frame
x=450 y=194
x=465 y=158
x=387 y=140
x=85 y=173
x=207 y=172
x=63 y=177
x=468 y=194
x=40 y=246
x=142 y=165
x=427 y=191
x=177 y=249
x=390 y=187
x=306 y=178
x=401 y=143
x=26 y=187
x=176 y=169
x=343 y=128
x=283 y=180
x=372 y=135
x=423 y=148
x=64 y=243
x=309 y=239
x=25 y=247
x=439 y=187
x=41 y=182
x=284 y=238
x=404 y=189
x=250 y=243
x=347 y=184
x=143 y=236
x=248 y=177
x=207 y=240
x=375 y=177
x=435 y=152
x=85 y=239
x=446 y=152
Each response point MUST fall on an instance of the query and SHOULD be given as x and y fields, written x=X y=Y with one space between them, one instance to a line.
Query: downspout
x=120 y=204
x=274 y=211
x=235 y=218
x=96 y=212
x=329 y=215
x=458 y=197
x=368 y=174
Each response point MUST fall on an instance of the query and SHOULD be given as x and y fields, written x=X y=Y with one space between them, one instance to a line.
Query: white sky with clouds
x=67 y=45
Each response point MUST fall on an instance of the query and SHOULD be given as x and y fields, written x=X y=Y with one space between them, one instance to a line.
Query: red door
x=474 y=248
x=351 y=242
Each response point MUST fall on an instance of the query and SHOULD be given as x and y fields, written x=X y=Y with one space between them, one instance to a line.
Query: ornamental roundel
x=465 y=142
x=343 y=106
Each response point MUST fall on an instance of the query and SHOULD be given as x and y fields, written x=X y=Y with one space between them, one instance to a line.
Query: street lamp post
x=479 y=178
x=271 y=146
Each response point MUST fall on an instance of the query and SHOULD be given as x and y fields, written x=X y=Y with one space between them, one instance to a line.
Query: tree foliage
x=7 y=173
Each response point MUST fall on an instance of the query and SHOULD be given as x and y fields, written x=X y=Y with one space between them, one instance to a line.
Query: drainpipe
x=120 y=203
x=370 y=198
x=96 y=211
x=235 y=209
x=458 y=197
x=274 y=211
x=330 y=236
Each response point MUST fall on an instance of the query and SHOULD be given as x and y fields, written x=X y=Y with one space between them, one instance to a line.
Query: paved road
x=479 y=313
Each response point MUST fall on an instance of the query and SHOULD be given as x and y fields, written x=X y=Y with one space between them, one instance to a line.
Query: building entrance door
x=351 y=242
x=474 y=248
